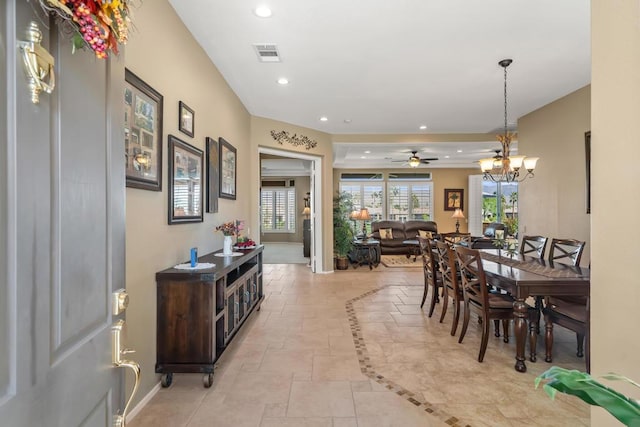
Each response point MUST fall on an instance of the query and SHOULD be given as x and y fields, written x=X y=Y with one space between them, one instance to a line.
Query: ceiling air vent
x=267 y=52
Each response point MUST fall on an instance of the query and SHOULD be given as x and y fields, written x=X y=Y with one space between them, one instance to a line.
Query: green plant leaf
x=583 y=386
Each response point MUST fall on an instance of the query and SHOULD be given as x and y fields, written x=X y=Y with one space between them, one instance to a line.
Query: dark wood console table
x=200 y=311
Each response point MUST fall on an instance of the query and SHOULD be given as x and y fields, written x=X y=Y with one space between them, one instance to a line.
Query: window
x=278 y=210
x=500 y=204
x=409 y=200
x=366 y=194
x=408 y=196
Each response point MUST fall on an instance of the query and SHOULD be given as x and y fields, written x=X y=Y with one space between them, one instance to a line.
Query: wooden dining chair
x=457 y=238
x=533 y=246
x=566 y=251
x=432 y=277
x=450 y=274
x=571 y=312
x=478 y=298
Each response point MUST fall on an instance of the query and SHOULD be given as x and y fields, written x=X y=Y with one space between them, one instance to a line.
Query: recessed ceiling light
x=347 y=121
x=446 y=157
x=459 y=151
x=367 y=152
x=262 y=11
x=363 y=157
x=283 y=81
x=423 y=127
x=323 y=119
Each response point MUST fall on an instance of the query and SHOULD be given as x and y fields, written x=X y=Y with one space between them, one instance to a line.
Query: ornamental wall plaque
x=295 y=139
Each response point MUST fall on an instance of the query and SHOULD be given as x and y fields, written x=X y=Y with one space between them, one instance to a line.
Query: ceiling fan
x=415 y=161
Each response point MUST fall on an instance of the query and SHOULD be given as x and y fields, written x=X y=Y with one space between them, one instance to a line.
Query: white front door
x=61 y=231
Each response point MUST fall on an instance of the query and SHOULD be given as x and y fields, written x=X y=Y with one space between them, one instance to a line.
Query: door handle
x=116 y=354
x=38 y=63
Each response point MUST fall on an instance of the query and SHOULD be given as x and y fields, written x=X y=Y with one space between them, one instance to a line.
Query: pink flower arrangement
x=228 y=228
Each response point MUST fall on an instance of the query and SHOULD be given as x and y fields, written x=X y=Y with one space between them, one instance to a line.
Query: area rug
x=400 y=261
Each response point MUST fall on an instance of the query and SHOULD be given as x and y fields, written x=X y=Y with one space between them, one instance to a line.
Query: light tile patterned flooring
x=354 y=349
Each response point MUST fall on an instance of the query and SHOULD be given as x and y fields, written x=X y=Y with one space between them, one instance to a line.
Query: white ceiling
x=390 y=66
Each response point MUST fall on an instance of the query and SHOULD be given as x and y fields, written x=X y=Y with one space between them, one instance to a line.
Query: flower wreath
x=98 y=24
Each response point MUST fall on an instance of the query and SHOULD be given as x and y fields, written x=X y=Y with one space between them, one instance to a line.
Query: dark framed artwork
x=213 y=174
x=453 y=199
x=186 y=119
x=142 y=134
x=185 y=182
x=587 y=152
x=228 y=165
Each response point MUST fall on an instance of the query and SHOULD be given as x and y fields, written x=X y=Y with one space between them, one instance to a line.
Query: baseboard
x=131 y=415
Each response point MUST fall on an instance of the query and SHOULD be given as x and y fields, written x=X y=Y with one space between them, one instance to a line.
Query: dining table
x=525 y=276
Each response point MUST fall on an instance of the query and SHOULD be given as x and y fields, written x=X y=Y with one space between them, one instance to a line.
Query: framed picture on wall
x=142 y=134
x=228 y=165
x=213 y=175
x=453 y=199
x=185 y=182
x=186 y=119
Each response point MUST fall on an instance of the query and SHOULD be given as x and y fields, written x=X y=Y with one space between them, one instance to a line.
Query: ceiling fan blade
x=430 y=159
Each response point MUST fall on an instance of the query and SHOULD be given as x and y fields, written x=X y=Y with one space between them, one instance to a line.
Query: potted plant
x=342 y=232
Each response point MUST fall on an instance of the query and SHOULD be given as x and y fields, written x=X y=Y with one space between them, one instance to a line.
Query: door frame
x=316 y=202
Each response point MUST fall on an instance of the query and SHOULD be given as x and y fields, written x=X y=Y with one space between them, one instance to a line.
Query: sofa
x=400 y=231
x=486 y=240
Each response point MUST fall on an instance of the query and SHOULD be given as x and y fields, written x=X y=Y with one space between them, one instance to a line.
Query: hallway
x=354 y=349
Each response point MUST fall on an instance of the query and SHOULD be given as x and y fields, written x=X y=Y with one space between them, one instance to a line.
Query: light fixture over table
x=503 y=166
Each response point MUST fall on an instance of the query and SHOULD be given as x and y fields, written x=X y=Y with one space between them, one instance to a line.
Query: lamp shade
x=306 y=210
x=364 y=214
x=530 y=163
x=486 y=164
x=354 y=215
x=457 y=213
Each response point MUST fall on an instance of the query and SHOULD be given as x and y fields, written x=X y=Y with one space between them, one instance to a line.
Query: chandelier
x=503 y=166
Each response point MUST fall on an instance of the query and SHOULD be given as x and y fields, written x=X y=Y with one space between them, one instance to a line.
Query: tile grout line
x=369 y=370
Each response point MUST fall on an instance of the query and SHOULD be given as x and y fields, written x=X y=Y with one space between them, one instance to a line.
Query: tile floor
x=354 y=349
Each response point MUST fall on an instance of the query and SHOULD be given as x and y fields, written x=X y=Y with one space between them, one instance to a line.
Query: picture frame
x=587 y=152
x=186 y=119
x=143 y=107
x=228 y=166
x=186 y=164
x=213 y=174
x=453 y=199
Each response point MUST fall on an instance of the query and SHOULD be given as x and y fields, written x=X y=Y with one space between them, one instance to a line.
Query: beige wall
x=553 y=204
x=163 y=53
x=442 y=178
x=261 y=137
x=615 y=291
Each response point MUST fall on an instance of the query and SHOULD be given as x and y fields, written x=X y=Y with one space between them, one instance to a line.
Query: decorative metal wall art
x=295 y=139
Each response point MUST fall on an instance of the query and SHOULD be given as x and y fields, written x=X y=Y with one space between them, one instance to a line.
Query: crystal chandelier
x=503 y=166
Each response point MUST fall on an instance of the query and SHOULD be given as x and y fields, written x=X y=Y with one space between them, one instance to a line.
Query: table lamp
x=354 y=216
x=457 y=214
x=364 y=216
